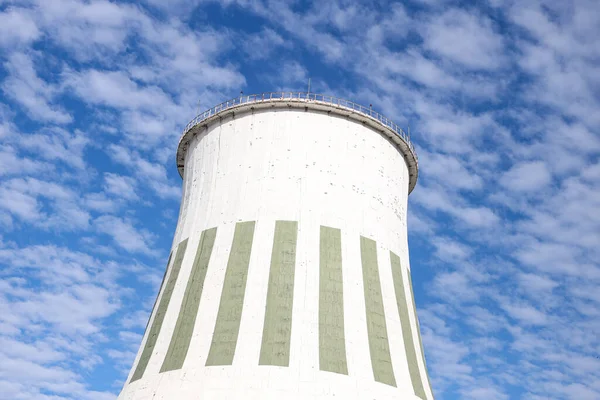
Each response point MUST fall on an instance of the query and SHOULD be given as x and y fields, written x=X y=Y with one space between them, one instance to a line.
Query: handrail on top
x=270 y=96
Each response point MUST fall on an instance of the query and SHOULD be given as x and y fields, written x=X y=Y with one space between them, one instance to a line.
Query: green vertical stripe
x=227 y=326
x=277 y=330
x=381 y=360
x=332 y=346
x=414 y=307
x=407 y=334
x=160 y=313
x=182 y=335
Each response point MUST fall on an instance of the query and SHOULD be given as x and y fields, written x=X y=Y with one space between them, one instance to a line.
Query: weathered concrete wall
x=315 y=188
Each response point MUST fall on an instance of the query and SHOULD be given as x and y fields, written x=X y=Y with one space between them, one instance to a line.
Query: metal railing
x=302 y=96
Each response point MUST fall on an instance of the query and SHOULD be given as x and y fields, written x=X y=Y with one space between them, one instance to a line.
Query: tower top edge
x=307 y=101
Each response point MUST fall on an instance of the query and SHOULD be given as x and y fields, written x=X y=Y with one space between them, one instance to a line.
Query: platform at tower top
x=309 y=102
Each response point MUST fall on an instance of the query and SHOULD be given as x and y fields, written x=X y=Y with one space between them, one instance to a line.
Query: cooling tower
x=289 y=274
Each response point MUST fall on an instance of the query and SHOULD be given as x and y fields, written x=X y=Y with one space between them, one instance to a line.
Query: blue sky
x=502 y=98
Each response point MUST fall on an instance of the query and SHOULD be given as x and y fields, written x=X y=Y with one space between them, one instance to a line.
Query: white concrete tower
x=289 y=274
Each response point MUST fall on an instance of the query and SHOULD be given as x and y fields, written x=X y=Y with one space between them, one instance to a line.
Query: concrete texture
x=407 y=331
x=277 y=330
x=340 y=180
x=379 y=347
x=227 y=327
x=180 y=341
x=165 y=298
x=332 y=343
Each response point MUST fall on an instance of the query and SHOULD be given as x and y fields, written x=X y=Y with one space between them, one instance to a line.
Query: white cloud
x=423 y=70
x=180 y=7
x=124 y=234
x=453 y=130
x=100 y=202
x=527 y=177
x=436 y=199
x=526 y=314
x=136 y=319
x=560 y=53
x=260 y=45
x=12 y=164
x=56 y=144
x=449 y=356
x=89 y=30
x=120 y=186
x=484 y=393
x=154 y=174
x=20 y=204
x=465 y=38
x=133 y=337
x=32 y=92
x=54 y=302
x=116 y=89
x=454 y=285
x=31 y=198
x=449 y=249
x=325 y=43
x=483 y=320
x=536 y=283
x=17 y=28
x=448 y=170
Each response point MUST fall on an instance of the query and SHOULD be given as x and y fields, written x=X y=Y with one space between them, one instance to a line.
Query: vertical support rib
x=227 y=327
x=407 y=333
x=160 y=313
x=277 y=330
x=332 y=345
x=381 y=360
x=182 y=335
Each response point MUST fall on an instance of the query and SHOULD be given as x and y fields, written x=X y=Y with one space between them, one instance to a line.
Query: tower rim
x=307 y=101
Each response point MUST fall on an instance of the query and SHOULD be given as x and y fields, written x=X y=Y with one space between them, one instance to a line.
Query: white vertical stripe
x=168 y=325
x=357 y=338
x=247 y=351
x=305 y=326
x=394 y=328
x=152 y=315
x=211 y=296
x=415 y=331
